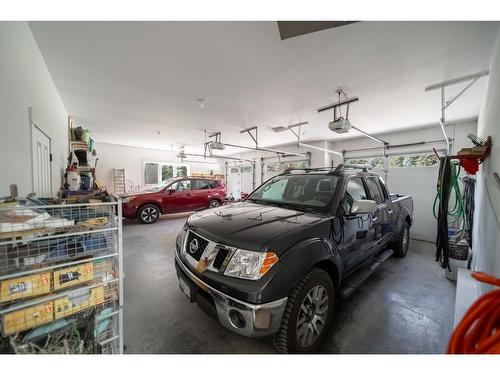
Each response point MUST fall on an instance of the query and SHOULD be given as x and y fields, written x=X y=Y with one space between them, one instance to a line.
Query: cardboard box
x=74 y=275
x=78 y=301
x=27 y=318
x=25 y=287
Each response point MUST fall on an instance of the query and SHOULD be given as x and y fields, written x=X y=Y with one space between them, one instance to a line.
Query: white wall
x=132 y=160
x=486 y=235
x=420 y=183
x=25 y=82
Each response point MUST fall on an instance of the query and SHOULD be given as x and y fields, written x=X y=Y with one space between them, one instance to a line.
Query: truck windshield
x=302 y=192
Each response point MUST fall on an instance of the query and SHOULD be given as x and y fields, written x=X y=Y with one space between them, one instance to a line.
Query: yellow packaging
x=74 y=275
x=25 y=287
x=78 y=301
x=30 y=317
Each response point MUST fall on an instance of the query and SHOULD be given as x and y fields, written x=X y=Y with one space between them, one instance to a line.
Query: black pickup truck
x=275 y=263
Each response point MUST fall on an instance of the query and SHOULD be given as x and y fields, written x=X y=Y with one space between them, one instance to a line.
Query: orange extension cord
x=479 y=330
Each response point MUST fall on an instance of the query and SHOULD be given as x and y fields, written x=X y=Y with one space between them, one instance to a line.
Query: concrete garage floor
x=405 y=307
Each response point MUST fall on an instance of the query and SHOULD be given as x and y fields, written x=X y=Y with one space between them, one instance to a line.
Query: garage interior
x=243 y=102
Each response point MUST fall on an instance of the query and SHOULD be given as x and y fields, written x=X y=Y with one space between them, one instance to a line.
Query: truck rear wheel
x=307 y=314
x=400 y=247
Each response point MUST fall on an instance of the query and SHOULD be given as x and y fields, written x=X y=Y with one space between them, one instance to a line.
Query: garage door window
x=414 y=161
x=375 y=163
x=273 y=167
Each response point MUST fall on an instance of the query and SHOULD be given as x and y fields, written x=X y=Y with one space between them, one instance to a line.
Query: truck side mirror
x=364 y=206
x=171 y=191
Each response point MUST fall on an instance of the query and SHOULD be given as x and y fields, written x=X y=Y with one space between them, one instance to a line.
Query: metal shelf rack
x=61 y=266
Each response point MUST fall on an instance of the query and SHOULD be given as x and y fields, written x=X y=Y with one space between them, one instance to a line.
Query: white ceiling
x=127 y=80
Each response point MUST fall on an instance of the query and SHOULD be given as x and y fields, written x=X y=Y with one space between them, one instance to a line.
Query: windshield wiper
x=297 y=207
x=254 y=200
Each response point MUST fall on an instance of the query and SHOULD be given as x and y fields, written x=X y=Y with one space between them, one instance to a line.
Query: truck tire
x=307 y=315
x=400 y=246
x=149 y=213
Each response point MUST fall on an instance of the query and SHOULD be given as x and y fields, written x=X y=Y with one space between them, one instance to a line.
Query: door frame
x=33 y=123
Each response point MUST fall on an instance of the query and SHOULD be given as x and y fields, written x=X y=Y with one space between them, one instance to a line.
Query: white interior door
x=41 y=162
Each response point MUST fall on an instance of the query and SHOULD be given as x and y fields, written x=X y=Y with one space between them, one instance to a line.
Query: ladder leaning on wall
x=119 y=181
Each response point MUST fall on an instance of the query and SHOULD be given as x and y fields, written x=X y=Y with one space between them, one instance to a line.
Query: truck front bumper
x=238 y=316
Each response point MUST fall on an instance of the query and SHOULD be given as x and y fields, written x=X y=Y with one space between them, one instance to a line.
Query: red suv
x=176 y=195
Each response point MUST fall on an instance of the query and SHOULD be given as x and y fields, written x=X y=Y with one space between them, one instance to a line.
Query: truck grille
x=220 y=258
x=195 y=245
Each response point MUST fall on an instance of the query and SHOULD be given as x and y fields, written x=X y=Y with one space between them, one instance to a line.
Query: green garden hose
x=456 y=213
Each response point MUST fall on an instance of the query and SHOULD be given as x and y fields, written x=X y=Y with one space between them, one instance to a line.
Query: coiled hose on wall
x=479 y=330
x=447 y=186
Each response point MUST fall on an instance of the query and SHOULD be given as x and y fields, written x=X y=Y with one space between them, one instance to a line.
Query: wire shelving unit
x=61 y=278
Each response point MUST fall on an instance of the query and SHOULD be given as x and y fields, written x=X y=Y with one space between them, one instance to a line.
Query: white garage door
x=233 y=182
x=239 y=179
x=414 y=174
x=246 y=184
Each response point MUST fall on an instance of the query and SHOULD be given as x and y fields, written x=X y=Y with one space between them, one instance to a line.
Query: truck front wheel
x=307 y=314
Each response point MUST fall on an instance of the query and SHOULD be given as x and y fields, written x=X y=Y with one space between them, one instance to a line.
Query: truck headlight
x=250 y=265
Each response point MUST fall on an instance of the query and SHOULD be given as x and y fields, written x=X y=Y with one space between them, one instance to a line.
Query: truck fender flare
x=321 y=253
